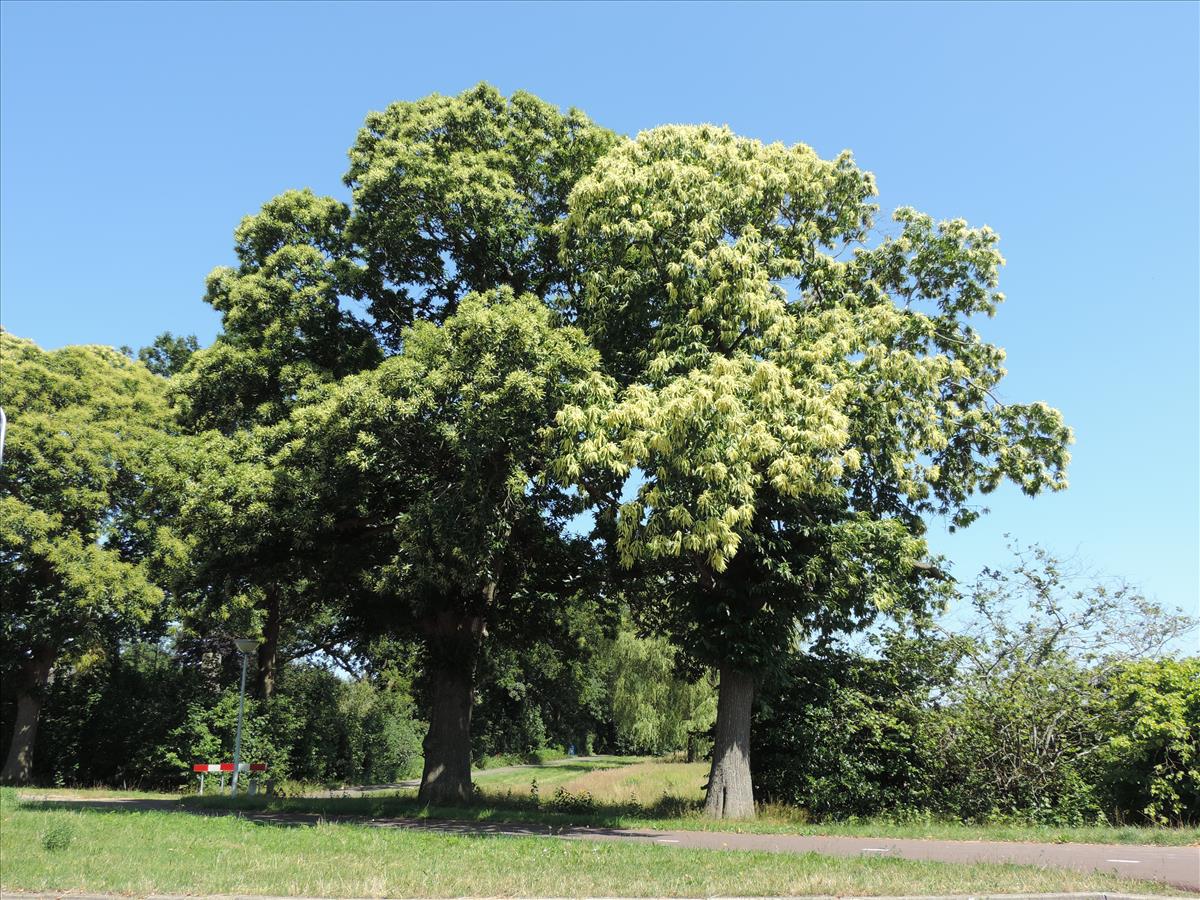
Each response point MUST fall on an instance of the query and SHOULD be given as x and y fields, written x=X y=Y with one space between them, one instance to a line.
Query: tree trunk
x=268 y=651
x=691 y=747
x=730 y=791
x=35 y=676
x=453 y=645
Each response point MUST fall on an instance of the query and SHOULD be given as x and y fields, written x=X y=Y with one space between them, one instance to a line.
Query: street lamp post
x=245 y=646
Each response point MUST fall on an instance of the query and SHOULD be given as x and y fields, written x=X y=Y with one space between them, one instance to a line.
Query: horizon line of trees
x=701 y=342
x=913 y=722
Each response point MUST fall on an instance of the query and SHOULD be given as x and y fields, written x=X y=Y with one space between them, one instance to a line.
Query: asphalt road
x=1176 y=866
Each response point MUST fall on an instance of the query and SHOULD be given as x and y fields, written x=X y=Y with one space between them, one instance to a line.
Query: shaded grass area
x=634 y=792
x=675 y=814
x=163 y=852
x=631 y=792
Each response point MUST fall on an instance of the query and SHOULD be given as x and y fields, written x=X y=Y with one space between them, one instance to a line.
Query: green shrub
x=565 y=801
x=139 y=717
x=1150 y=766
x=106 y=720
x=849 y=735
x=1053 y=706
x=357 y=732
x=57 y=836
x=208 y=735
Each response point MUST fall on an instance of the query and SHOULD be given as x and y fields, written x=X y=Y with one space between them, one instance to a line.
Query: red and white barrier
x=228 y=767
x=222 y=768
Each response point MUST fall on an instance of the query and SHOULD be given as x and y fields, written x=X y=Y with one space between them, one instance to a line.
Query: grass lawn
x=635 y=793
x=64 y=793
x=560 y=773
x=120 y=851
x=674 y=815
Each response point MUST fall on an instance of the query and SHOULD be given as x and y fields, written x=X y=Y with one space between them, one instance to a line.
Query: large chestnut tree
x=791 y=395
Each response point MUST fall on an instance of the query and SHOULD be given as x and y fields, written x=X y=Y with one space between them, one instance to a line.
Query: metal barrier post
x=254 y=771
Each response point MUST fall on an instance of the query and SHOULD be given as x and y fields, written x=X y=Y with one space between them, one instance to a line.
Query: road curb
x=1085 y=895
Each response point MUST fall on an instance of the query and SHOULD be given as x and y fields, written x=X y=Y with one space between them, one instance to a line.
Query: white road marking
x=667 y=840
x=1124 y=860
x=876 y=849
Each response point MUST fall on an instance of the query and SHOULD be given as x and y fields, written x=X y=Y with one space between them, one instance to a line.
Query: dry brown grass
x=644 y=783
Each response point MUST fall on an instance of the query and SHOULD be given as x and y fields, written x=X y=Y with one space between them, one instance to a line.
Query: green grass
x=131 y=852
x=773 y=823
x=550 y=775
x=76 y=793
x=633 y=793
x=672 y=814
x=534 y=757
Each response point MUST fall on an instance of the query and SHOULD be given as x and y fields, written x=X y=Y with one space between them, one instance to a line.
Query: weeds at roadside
x=57 y=837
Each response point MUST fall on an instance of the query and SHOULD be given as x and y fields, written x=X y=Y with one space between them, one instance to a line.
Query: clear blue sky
x=136 y=136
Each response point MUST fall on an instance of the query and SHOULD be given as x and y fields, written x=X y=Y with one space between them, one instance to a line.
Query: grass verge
x=134 y=852
x=675 y=814
x=633 y=792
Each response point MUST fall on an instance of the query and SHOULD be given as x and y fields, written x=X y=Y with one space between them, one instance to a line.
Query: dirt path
x=1176 y=866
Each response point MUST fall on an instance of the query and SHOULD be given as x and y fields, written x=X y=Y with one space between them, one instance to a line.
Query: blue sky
x=134 y=137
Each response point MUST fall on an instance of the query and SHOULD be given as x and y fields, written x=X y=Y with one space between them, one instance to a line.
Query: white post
x=237 y=741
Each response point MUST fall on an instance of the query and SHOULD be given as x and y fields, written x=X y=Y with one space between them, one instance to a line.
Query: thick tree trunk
x=446 y=780
x=453 y=644
x=268 y=650
x=35 y=676
x=730 y=791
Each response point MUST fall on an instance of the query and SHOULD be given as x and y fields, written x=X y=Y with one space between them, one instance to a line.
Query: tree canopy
x=287 y=329
x=76 y=532
x=788 y=411
x=519 y=315
x=168 y=354
x=285 y=322
x=461 y=194
x=436 y=460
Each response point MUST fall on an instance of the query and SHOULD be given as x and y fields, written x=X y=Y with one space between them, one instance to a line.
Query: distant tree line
x=540 y=436
x=139 y=714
